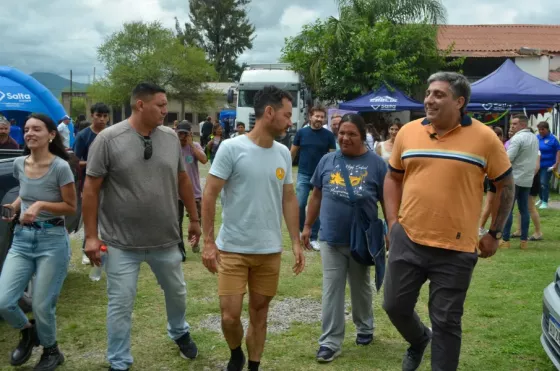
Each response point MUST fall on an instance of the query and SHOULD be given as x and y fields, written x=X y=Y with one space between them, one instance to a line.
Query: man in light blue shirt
x=255 y=173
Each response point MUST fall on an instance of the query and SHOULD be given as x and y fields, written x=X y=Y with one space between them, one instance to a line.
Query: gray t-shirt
x=138 y=201
x=252 y=195
x=45 y=188
x=523 y=152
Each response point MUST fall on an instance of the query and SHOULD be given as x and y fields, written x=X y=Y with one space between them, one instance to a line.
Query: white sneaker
x=538 y=203
x=315 y=245
x=85 y=259
x=544 y=205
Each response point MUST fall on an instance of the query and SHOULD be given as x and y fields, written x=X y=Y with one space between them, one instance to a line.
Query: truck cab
x=256 y=77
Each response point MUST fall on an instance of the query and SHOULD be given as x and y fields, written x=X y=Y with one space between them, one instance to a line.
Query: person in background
x=135 y=168
x=16 y=133
x=72 y=133
x=227 y=128
x=523 y=152
x=335 y=125
x=490 y=190
x=535 y=217
x=337 y=215
x=371 y=137
x=6 y=142
x=433 y=204
x=41 y=246
x=205 y=131
x=254 y=175
x=214 y=144
x=192 y=153
x=312 y=142
x=240 y=129
x=64 y=131
x=385 y=148
x=175 y=123
x=550 y=158
x=99 y=118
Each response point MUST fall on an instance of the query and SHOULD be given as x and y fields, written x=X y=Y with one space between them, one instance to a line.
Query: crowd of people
x=427 y=178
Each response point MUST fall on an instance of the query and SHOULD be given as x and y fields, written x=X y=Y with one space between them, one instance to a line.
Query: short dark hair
x=522 y=118
x=317 y=109
x=543 y=125
x=99 y=108
x=358 y=121
x=240 y=124
x=269 y=96
x=144 y=90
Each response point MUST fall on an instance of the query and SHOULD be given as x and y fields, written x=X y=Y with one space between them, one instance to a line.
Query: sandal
x=535 y=238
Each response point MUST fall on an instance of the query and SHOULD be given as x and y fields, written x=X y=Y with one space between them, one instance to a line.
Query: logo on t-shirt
x=189 y=159
x=280 y=173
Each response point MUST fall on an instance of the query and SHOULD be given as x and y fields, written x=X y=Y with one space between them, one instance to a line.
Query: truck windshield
x=247 y=98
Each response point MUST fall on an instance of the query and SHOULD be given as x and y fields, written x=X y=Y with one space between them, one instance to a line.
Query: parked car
x=550 y=338
x=9 y=190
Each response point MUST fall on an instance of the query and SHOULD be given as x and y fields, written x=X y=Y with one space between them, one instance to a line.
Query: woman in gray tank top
x=41 y=245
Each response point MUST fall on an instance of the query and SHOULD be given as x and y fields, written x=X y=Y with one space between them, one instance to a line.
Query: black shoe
x=116 y=369
x=325 y=355
x=29 y=340
x=364 y=339
x=413 y=356
x=187 y=347
x=235 y=365
x=50 y=360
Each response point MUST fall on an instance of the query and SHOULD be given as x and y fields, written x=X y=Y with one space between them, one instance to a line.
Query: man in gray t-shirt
x=134 y=173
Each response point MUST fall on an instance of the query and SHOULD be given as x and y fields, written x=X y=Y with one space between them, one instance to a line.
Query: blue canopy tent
x=383 y=100
x=21 y=94
x=510 y=84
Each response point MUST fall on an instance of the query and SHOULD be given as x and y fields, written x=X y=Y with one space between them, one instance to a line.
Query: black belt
x=55 y=222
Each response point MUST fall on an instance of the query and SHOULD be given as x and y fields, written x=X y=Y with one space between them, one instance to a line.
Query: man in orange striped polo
x=433 y=198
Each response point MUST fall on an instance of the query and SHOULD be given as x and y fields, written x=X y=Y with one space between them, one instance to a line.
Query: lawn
x=501 y=322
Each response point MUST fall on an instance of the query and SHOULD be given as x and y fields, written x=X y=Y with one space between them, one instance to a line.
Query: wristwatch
x=497 y=235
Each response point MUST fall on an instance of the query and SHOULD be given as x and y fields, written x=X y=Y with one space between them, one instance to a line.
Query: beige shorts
x=260 y=272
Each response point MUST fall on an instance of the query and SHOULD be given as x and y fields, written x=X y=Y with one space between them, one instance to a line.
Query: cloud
x=59 y=35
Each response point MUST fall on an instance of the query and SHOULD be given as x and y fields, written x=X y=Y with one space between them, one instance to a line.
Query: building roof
x=554 y=76
x=499 y=40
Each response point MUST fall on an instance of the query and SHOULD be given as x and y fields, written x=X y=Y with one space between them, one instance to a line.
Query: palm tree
x=398 y=11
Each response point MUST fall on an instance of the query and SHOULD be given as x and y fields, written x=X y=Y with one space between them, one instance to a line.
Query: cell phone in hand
x=7 y=212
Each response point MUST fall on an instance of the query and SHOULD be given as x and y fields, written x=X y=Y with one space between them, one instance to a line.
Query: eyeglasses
x=148 y=149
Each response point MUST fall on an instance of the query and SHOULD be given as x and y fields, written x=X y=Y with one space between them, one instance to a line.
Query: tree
x=151 y=52
x=222 y=29
x=367 y=46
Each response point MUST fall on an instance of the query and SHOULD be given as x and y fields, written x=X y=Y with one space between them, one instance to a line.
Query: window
x=172 y=116
x=247 y=98
x=189 y=116
x=202 y=117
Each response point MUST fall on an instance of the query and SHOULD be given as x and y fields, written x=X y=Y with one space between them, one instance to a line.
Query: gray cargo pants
x=337 y=265
x=449 y=272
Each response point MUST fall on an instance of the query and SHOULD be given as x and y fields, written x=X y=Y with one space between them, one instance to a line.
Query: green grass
x=501 y=325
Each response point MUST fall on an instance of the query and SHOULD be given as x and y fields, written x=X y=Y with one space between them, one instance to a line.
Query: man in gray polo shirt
x=134 y=173
x=523 y=152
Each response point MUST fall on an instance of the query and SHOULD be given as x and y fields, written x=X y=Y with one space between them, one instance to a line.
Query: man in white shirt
x=65 y=131
x=523 y=152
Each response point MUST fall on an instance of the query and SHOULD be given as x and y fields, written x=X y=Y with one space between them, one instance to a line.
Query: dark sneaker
x=413 y=356
x=29 y=340
x=50 y=360
x=235 y=365
x=364 y=339
x=116 y=369
x=187 y=347
x=326 y=355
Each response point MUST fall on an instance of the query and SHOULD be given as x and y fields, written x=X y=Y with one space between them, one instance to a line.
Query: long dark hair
x=358 y=121
x=56 y=147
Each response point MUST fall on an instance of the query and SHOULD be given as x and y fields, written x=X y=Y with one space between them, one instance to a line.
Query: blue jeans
x=122 y=268
x=545 y=176
x=43 y=252
x=522 y=198
x=303 y=187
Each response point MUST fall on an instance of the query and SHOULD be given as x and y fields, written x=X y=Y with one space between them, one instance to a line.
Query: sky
x=59 y=35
